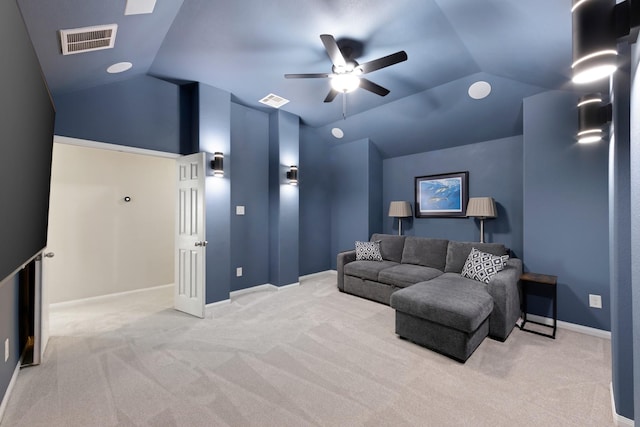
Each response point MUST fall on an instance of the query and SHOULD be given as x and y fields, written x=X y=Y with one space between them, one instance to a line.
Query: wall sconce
x=592 y=116
x=217 y=164
x=597 y=27
x=292 y=175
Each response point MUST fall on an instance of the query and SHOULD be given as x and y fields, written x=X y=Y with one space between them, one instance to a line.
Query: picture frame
x=442 y=196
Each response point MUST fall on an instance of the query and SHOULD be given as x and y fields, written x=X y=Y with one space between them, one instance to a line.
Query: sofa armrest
x=503 y=288
x=344 y=258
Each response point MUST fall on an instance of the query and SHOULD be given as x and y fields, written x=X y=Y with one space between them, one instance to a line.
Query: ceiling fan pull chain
x=344 y=105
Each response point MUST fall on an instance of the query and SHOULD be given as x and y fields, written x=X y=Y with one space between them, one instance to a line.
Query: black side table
x=541 y=279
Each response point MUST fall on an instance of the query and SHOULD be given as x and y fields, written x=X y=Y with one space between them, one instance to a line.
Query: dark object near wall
x=26 y=126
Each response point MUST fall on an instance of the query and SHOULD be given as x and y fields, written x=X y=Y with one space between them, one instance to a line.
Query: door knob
x=201 y=243
x=49 y=255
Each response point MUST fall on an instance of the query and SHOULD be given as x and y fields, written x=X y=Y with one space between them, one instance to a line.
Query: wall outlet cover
x=239 y=210
x=6 y=349
x=239 y=272
x=595 y=301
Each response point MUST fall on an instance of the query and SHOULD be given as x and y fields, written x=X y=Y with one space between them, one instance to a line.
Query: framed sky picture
x=444 y=195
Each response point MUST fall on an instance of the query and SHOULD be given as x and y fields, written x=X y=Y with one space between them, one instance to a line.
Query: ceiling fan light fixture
x=345 y=82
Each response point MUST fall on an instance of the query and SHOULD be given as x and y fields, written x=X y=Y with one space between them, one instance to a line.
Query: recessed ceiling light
x=479 y=90
x=337 y=132
x=119 y=67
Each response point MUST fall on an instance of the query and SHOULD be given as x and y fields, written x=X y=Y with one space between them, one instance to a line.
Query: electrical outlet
x=6 y=349
x=595 y=301
x=239 y=210
x=239 y=272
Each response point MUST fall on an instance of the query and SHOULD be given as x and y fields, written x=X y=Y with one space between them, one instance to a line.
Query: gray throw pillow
x=482 y=266
x=368 y=251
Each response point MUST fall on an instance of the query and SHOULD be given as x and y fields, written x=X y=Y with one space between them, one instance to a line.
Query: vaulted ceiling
x=520 y=47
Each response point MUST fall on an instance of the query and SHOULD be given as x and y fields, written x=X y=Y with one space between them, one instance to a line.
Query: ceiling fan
x=346 y=72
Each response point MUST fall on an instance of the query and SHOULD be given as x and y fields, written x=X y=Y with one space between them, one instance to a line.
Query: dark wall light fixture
x=592 y=117
x=217 y=164
x=292 y=175
x=597 y=27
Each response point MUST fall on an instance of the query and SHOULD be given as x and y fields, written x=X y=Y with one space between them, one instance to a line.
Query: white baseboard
x=290 y=285
x=618 y=420
x=257 y=288
x=81 y=301
x=7 y=394
x=600 y=333
x=315 y=275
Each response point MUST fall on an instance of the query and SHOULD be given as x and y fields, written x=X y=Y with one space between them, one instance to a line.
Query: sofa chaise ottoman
x=443 y=315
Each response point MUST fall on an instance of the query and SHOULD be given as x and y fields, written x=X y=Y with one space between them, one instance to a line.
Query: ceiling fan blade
x=385 y=61
x=333 y=50
x=372 y=87
x=331 y=95
x=306 y=76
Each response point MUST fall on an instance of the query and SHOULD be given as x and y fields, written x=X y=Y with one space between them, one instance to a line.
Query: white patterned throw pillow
x=482 y=266
x=368 y=251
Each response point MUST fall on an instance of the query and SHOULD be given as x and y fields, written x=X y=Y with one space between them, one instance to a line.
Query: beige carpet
x=302 y=356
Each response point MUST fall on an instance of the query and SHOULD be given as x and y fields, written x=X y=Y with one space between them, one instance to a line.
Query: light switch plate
x=6 y=349
x=239 y=210
x=239 y=272
x=595 y=301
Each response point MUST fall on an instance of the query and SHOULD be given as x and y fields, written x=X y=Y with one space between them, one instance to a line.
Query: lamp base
x=481 y=230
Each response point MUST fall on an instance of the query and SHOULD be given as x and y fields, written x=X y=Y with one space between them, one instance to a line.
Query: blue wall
x=214 y=134
x=142 y=112
x=26 y=121
x=249 y=188
x=284 y=146
x=9 y=328
x=495 y=170
x=566 y=208
x=375 y=187
x=620 y=245
x=355 y=189
x=315 y=203
x=635 y=228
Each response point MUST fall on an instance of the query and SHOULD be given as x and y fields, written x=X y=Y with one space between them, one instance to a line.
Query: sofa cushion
x=448 y=301
x=368 y=251
x=390 y=246
x=404 y=275
x=458 y=252
x=367 y=269
x=425 y=251
x=482 y=266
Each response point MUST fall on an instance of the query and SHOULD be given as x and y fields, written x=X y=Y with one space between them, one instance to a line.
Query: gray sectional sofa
x=435 y=305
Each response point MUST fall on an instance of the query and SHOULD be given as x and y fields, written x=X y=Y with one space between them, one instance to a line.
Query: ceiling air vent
x=274 y=101
x=86 y=39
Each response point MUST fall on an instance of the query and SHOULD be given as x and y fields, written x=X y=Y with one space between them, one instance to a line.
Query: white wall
x=102 y=244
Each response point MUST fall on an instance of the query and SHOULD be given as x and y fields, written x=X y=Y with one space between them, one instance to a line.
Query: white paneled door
x=190 y=279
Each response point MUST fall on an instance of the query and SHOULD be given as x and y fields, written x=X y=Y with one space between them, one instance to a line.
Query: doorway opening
x=111 y=226
x=27 y=298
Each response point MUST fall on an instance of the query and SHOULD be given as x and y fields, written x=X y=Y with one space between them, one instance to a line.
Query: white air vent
x=274 y=101
x=86 y=39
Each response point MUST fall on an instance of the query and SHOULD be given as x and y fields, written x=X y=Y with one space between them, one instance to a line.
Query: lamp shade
x=482 y=207
x=400 y=209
